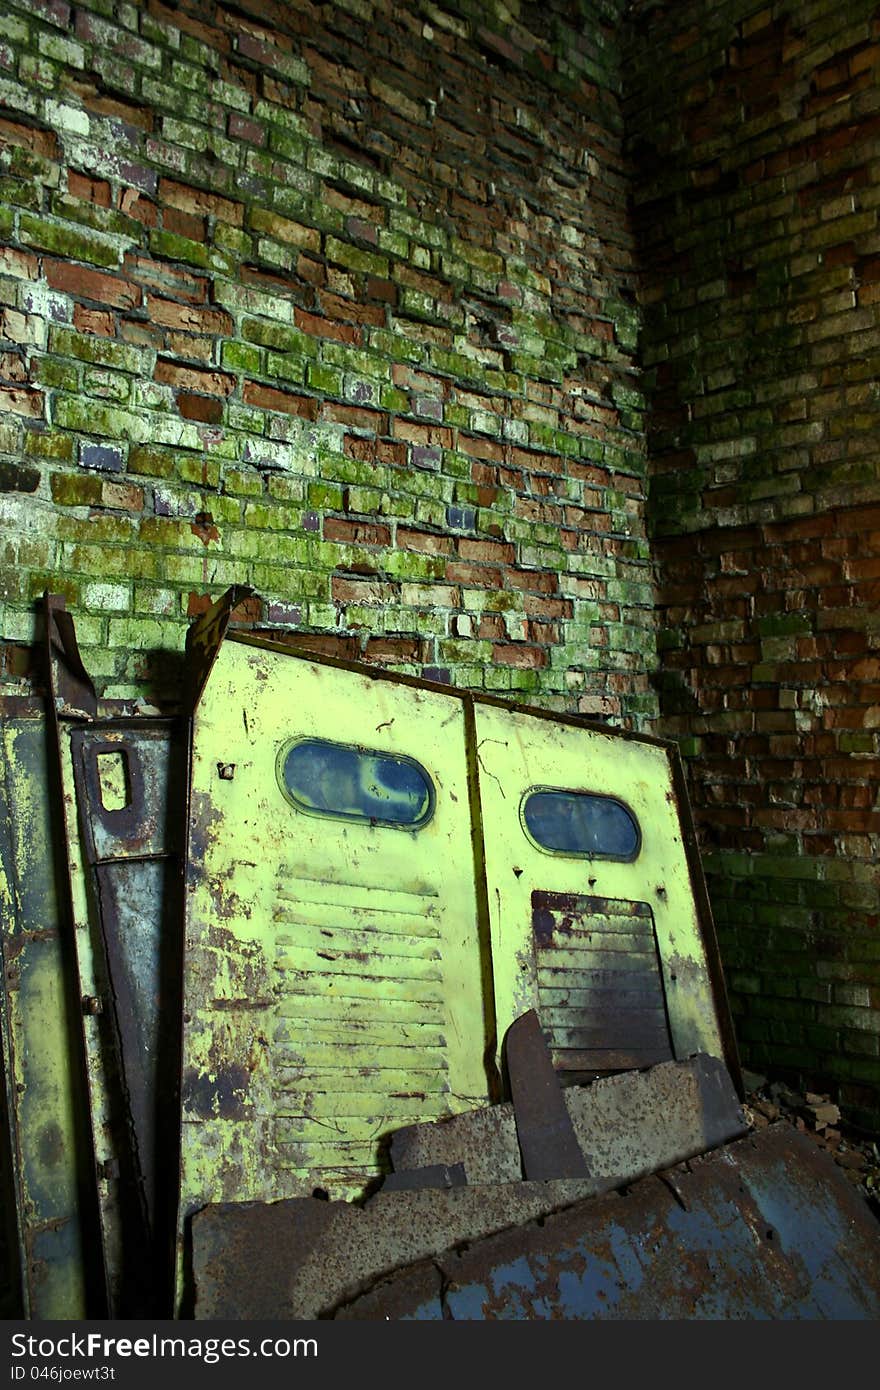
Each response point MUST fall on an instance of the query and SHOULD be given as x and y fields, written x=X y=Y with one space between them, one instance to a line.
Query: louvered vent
x=359 y=1047
x=600 y=991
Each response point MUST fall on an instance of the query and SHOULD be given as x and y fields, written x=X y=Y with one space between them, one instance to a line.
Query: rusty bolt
x=91 y=1004
x=108 y=1168
x=226 y=771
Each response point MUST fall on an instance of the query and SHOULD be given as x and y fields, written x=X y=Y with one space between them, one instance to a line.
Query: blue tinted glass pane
x=581 y=823
x=332 y=780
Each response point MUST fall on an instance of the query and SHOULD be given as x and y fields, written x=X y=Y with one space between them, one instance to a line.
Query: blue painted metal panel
x=765 y=1228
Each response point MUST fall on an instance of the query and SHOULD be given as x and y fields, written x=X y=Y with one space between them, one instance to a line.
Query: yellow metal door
x=333 y=979
x=592 y=914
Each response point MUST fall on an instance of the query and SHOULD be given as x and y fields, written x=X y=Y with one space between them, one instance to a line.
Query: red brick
x=425 y=541
x=356 y=417
x=539 y=581
x=21 y=401
x=90 y=190
x=184 y=224
x=176 y=18
x=343 y=311
x=356 y=532
x=486 y=552
x=491 y=628
x=383 y=290
x=312 y=271
x=519 y=656
x=184 y=345
x=242 y=128
x=102 y=105
x=362 y=591
x=188 y=317
x=326 y=645
x=196 y=200
x=12 y=367
x=422 y=434
x=136 y=204
x=480 y=448
x=325 y=328
x=122 y=497
x=93 y=321
x=268 y=398
x=394 y=650
x=374 y=450
x=478 y=576
x=18 y=263
x=84 y=283
x=185 y=378
x=41 y=142
x=207 y=409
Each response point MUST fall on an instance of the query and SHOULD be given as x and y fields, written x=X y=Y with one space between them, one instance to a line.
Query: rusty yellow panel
x=93 y=991
x=333 y=975
x=43 y=1092
x=600 y=933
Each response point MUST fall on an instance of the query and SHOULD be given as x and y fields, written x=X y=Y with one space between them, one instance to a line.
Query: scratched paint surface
x=40 y=1059
x=333 y=980
x=517 y=752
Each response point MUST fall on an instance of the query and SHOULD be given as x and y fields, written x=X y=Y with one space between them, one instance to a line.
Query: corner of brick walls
x=337 y=300
x=755 y=131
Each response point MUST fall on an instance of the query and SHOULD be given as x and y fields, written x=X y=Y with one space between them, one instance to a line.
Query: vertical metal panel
x=120 y=809
x=550 y=911
x=333 y=979
x=45 y=1101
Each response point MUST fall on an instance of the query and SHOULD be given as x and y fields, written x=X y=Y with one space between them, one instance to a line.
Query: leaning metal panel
x=333 y=986
x=612 y=952
x=767 y=1227
x=122 y=808
x=51 y=1268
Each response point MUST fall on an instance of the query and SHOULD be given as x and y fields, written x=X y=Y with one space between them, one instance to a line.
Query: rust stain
x=222 y=1094
x=203 y=527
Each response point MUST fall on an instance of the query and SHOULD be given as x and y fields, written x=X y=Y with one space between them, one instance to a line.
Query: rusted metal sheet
x=73 y=693
x=203 y=641
x=483 y=1141
x=300 y=1258
x=626 y=1126
x=437 y=1175
x=546 y=1136
x=52 y=1244
x=764 y=1228
x=303 y=1258
x=122 y=818
x=128 y=777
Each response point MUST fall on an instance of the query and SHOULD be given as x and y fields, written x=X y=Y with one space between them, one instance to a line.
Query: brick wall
x=756 y=136
x=337 y=300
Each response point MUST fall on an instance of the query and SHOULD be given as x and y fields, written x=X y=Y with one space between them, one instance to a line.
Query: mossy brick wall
x=336 y=300
x=756 y=134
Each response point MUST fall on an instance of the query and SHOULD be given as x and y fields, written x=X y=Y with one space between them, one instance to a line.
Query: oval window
x=580 y=823
x=336 y=779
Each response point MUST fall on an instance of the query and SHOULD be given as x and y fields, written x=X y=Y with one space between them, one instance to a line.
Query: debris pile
x=819 y=1118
